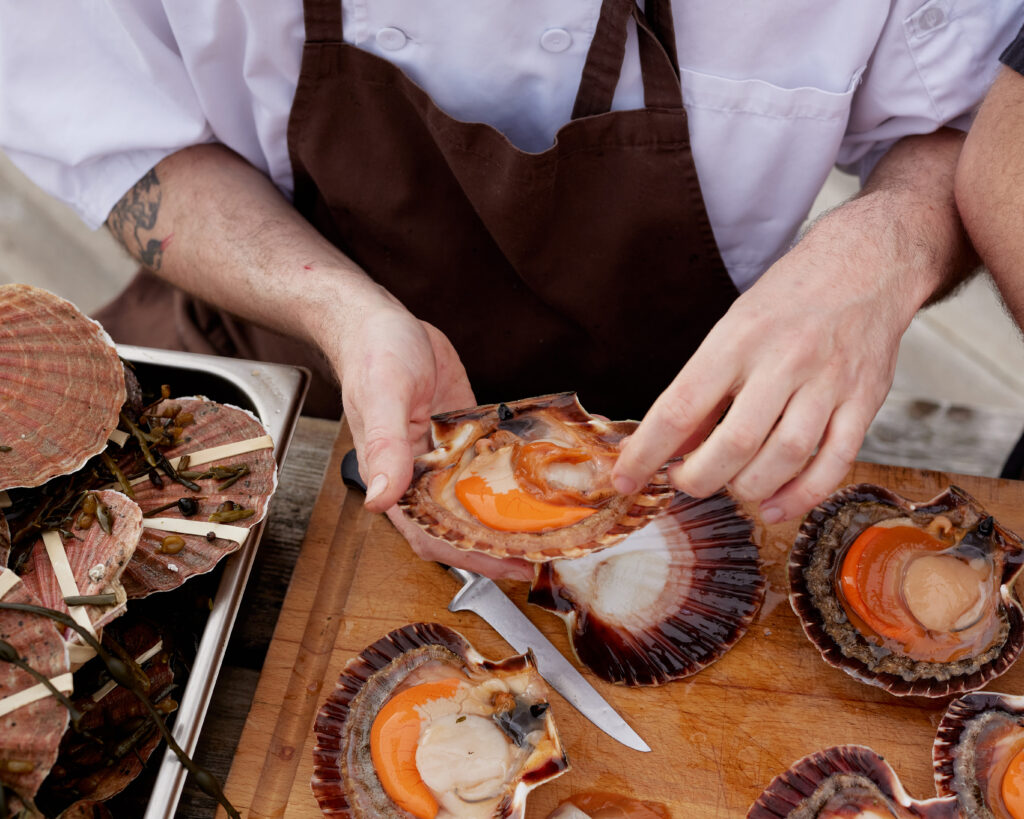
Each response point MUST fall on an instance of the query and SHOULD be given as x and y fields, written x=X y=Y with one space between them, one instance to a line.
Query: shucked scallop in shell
x=529 y=479
x=61 y=386
x=421 y=725
x=667 y=601
x=916 y=598
x=978 y=755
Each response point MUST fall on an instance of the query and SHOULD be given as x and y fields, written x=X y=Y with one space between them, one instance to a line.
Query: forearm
x=207 y=221
x=989 y=187
x=901 y=234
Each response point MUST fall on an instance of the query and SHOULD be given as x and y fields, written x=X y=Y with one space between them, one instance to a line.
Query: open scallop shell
x=62 y=383
x=669 y=600
x=152 y=568
x=460 y=437
x=31 y=733
x=84 y=769
x=978 y=738
x=846 y=780
x=830 y=529
x=95 y=560
x=345 y=782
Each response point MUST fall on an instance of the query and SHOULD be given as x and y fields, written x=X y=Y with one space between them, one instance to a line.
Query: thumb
x=385 y=454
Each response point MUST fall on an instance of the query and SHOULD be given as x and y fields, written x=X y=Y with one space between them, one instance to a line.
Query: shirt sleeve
x=1013 y=57
x=92 y=95
x=933 y=62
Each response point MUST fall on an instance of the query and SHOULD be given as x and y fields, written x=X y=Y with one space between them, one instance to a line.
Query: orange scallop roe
x=514 y=510
x=1012 y=790
x=872 y=583
x=393 y=739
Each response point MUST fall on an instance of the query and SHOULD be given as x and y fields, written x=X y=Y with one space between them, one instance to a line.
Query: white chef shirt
x=93 y=93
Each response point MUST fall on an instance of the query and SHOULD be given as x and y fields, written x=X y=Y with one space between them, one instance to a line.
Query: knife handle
x=353 y=480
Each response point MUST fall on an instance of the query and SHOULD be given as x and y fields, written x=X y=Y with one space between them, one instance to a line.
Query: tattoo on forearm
x=136 y=214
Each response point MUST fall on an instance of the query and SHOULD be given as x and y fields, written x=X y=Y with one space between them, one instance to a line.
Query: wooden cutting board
x=718 y=737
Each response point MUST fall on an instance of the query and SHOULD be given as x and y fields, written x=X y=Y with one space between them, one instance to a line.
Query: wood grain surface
x=718 y=737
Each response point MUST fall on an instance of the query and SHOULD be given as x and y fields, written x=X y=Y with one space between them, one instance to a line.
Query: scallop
x=31 y=726
x=979 y=755
x=419 y=724
x=528 y=479
x=231 y=461
x=916 y=598
x=62 y=383
x=844 y=782
x=86 y=562
x=667 y=601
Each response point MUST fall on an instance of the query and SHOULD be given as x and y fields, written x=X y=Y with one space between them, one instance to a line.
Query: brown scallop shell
x=84 y=770
x=62 y=382
x=213 y=425
x=343 y=781
x=823 y=536
x=971 y=728
x=5 y=541
x=845 y=776
x=31 y=734
x=97 y=561
x=701 y=590
x=454 y=435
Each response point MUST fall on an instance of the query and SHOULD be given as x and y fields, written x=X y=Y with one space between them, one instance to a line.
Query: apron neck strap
x=658 y=63
x=323 y=21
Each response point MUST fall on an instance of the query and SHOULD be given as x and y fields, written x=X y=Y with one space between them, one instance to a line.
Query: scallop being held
x=528 y=479
x=669 y=600
x=420 y=725
x=979 y=755
x=916 y=598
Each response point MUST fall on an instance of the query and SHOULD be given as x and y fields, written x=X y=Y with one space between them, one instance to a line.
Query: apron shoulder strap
x=323 y=21
x=658 y=63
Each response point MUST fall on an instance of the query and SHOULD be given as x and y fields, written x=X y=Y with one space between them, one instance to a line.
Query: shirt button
x=391 y=39
x=555 y=39
x=932 y=18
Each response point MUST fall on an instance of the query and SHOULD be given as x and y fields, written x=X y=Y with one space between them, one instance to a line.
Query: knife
x=482 y=596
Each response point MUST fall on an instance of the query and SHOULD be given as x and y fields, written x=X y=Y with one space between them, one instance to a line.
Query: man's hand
x=801 y=362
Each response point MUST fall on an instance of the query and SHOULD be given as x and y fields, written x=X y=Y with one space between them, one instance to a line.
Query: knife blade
x=483 y=597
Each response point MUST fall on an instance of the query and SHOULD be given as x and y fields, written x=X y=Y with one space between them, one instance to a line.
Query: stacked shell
x=916 y=598
x=420 y=724
x=653 y=586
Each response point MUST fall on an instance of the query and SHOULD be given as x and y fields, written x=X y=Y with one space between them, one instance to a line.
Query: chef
x=988 y=192
x=443 y=202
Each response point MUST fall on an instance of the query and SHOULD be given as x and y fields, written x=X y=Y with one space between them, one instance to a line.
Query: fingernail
x=624 y=485
x=771 y=514
x=377 y=486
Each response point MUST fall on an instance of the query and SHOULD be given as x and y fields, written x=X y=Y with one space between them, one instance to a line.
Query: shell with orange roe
x=528 y=479
x=978 y=755
x=844 y=782
x=420 y=724
x=916 y=598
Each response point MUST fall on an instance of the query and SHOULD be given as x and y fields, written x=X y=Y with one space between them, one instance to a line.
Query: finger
x=688 y=408
x=846 y=430
x=789 y=446
x=385 y=451
x=432 y=548
x=735 y=441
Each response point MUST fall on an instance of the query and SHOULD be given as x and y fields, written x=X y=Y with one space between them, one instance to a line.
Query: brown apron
x=591 y=266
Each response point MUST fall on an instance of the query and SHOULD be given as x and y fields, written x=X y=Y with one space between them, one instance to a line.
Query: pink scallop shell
x=341 y=756
x=62 y=382
x=928 y=679
x=454 y=433
x=31 y=733
x=698 y=598
x=91 y=549
x=844 y=775
x=214 y=424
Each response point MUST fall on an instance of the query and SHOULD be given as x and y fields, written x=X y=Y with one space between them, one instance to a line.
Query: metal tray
x=275 y=394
